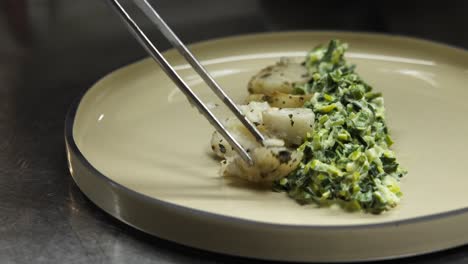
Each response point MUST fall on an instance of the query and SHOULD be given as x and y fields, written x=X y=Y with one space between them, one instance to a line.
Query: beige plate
x=140 y=152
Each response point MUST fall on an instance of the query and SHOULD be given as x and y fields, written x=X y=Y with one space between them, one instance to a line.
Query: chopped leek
x=347 y=157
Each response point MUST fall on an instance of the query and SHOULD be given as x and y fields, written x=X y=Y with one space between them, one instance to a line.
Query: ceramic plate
x=139 y=151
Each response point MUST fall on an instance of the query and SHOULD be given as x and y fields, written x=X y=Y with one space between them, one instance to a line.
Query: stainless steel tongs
x=138 y=33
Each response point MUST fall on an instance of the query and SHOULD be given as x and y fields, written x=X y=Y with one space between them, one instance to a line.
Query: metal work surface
x=51 y=51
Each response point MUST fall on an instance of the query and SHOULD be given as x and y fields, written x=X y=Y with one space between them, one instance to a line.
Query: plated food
x=138 y=150
x=328 y=140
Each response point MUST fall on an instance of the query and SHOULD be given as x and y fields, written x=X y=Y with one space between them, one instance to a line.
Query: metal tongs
x=138 y=33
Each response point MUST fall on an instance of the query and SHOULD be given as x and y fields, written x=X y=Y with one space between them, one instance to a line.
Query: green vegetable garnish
x=347 y=157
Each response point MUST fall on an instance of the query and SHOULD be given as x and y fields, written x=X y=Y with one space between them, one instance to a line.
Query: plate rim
x=72 y=146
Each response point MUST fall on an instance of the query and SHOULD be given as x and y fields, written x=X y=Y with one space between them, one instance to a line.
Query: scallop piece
x=271 y=163
x=253 y=111
x=281 y=100
x=221 y=146
x=289 y=124
x=280 y=77
x=223 y=149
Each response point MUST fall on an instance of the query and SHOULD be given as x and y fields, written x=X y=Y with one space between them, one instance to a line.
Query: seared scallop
x=271 y=163
x=281 y=77
x=289 y=124
x=280 y=100
x=273 y=159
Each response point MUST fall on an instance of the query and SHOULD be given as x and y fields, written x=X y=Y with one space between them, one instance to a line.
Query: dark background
x=51 y=51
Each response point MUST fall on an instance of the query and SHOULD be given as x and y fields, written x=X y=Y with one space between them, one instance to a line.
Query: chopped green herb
x=347 y=157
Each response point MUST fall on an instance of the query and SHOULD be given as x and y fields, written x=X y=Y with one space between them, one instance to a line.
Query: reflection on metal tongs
x=138 y=33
